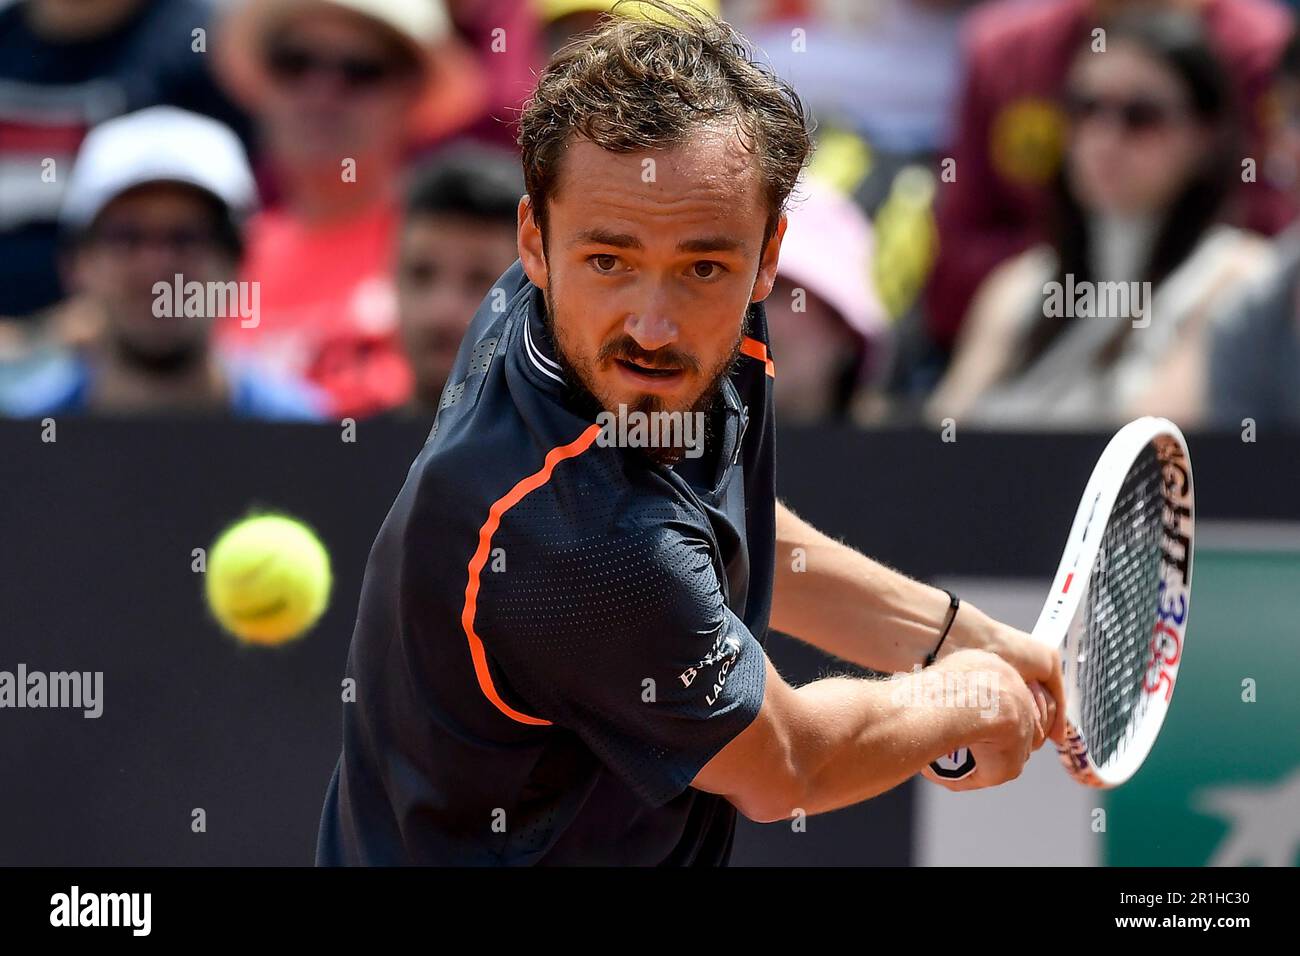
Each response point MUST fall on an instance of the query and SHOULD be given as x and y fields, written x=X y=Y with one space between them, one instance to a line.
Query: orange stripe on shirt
x=503 y=504
x=757 y=350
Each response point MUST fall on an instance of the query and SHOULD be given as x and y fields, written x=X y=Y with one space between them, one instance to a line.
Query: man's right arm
x=841 y=740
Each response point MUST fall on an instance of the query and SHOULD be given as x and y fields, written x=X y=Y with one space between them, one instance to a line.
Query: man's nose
x=651 y=329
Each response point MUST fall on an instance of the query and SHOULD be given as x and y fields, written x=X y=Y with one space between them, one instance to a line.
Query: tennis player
x=559 y=652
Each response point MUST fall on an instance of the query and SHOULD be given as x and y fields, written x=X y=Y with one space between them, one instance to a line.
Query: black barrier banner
x=155 y=740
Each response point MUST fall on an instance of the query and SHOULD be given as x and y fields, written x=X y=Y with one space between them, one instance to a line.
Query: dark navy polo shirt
x=555 y=635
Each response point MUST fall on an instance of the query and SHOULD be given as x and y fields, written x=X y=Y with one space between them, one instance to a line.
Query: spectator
x=825 y=322
x=340 y=90
x=1008 y=142
x=152 y=206
x=457 y=238
x=506 y=36
x=886 y=70
x=880 y=78
x=1149 y=160
x=66 y=65
x=1255 y=351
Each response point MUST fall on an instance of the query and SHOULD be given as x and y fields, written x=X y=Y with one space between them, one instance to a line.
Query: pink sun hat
x=827 y=250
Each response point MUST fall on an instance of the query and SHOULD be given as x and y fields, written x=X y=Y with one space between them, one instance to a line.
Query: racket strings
x=1114 y=646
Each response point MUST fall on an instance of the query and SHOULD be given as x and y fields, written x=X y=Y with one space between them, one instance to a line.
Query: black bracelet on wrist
x=953 y=603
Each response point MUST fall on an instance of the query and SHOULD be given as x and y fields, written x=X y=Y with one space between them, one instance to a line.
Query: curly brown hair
x=647 y=82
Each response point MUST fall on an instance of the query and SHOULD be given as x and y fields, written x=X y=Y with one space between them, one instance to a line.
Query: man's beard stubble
x=579 y=391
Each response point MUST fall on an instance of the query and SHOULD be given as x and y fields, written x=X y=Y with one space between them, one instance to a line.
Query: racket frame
x=1061 y=621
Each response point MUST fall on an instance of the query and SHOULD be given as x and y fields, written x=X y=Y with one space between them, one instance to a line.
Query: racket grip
x=954 y=766
x=961 y=762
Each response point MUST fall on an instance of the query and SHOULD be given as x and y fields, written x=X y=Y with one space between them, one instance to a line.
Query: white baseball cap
x=158 y=144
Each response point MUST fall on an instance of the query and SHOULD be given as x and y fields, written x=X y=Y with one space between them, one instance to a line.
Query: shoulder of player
x=560 y=483
x=617 y=570
x=591 y=513
x=588 y=522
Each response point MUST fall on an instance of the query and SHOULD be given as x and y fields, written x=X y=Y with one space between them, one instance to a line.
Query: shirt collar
x=536 y=345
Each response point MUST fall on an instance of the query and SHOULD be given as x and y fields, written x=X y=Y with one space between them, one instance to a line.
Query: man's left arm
x=835 y=598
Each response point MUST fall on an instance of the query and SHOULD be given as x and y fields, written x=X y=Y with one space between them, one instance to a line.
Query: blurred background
x=987 y=175
x=354 y=160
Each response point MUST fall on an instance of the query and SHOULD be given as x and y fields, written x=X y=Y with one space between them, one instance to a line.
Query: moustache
x=667 y=358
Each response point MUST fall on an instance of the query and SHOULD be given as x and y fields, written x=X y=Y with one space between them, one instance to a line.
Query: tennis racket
x=1118 y=606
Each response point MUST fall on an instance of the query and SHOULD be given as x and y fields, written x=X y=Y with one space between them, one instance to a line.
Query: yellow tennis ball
x=268 y=579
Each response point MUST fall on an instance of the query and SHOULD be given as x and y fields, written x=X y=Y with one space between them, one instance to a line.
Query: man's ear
x=767 y=266
x=531 y=252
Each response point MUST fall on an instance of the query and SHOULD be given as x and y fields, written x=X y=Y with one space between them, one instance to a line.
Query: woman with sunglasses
x=1109 y=319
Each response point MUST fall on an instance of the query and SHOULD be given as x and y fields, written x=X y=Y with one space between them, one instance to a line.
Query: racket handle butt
x=954 y=766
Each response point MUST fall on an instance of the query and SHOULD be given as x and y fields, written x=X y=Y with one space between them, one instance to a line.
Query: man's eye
x=420 y=273
x=604 y=263
x=707 y=269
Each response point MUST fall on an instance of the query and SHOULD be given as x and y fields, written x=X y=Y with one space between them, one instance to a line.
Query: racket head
x=1119 y=603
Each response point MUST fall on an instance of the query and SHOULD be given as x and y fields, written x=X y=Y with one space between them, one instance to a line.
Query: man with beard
x=152 y=214
x=558 y=655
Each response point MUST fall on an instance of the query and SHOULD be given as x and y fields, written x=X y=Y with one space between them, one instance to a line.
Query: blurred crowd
x=1021 y=213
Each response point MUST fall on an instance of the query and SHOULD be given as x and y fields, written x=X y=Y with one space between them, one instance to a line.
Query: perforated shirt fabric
x=555 y=634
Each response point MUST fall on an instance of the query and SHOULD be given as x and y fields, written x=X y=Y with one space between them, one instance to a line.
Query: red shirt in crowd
x=328 y=308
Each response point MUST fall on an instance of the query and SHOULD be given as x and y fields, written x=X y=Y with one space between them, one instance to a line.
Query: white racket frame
x=1061 y=622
